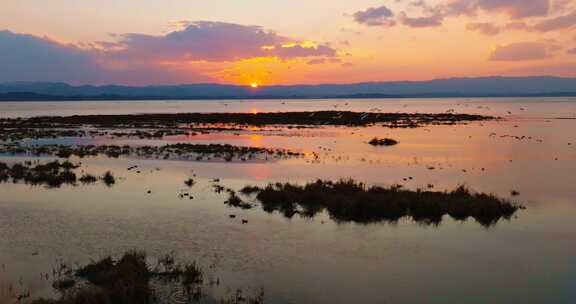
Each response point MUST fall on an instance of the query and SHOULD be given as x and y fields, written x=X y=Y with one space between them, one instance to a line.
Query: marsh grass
x=52 y=174
x=383 y=141
x=183 y=151
x=235 y=201
x=88 y=179
x=122 y=281
x=109 y=179
x=15 y=132
x=189 y=182
x=130 y=279
x=351 y=201
x=343 y=118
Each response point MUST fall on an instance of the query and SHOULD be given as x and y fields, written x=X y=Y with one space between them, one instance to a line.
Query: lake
x=530 y=258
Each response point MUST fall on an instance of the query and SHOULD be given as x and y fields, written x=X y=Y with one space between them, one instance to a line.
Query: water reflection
x=526 y=260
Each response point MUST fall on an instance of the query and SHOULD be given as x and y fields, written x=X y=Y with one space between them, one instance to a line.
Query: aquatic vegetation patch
x=14 y=133
x=109 y=179
x=235 y=201
x=351 y=201
x=339 y=118
x=131 y=279
x=159 y=126
x=88 y=179
x=52 y=174
x=190 y=182
x=179 y=151
x=383 y=141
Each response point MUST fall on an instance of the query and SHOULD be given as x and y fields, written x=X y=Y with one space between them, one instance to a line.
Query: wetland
x=271 y=201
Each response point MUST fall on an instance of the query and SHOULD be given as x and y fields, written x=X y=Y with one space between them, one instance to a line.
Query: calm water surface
x=529 y=259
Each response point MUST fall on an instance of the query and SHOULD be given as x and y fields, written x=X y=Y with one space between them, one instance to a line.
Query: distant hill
x=452 y=87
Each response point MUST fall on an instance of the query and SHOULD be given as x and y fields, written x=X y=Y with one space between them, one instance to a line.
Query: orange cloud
x=201 y=51
x=217 y=42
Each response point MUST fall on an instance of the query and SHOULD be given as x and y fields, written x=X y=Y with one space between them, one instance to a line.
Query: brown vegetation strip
x=340 y=118
x=173 y=151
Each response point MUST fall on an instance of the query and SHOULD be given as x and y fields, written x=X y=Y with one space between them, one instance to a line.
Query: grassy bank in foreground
x=351 y=201
x=132 y=279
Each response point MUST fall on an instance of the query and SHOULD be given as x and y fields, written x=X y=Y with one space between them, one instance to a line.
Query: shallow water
x=534 y=107
x=529 y=259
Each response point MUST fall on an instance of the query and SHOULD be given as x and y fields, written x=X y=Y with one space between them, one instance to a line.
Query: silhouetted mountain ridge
x=451 y=87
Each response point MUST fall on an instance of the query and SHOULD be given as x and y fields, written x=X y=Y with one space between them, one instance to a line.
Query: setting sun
x=254 y=85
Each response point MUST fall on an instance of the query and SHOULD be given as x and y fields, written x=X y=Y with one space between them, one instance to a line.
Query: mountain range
x=451 y=87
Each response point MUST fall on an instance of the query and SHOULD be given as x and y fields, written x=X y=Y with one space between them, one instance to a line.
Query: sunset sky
x=283 y=42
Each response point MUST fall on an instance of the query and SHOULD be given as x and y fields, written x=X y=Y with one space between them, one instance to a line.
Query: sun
x=254 y=85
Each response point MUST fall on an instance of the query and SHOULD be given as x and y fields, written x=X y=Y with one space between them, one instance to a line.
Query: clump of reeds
x=235 y=201
x=108 y=179
x=127 y=280
x=348 y=200
x=88 y=179
x=51 y=174
x=189 y=182
x=383 y=141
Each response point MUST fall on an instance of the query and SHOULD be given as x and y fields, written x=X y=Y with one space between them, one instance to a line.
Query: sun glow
x=254 y=85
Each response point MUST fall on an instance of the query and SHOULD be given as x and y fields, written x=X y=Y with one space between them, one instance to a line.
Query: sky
x=141 y=42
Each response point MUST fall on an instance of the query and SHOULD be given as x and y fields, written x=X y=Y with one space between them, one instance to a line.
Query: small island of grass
x=383 y=141
x=51 y=174
x=351 y=201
